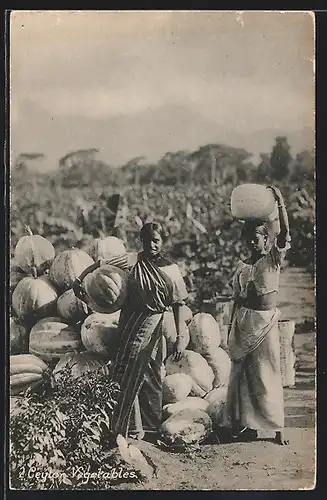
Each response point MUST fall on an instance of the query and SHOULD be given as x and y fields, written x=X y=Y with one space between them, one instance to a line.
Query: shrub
x=59 y=429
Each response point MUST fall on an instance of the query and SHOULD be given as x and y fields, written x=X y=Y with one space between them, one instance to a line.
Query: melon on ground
x=217 y=401
x=186 y=427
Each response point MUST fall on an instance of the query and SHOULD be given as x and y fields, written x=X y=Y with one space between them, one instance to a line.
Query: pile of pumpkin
x=51 y=328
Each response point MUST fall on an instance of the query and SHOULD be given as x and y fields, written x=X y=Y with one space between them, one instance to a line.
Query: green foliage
x=303 y=167
x=71 y=216
x=61 y=429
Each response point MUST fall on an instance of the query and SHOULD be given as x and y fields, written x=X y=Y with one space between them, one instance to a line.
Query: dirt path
x=296 y=295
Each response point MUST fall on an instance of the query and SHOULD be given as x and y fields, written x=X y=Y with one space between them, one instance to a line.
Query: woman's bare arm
x=284 y=234
x=180 y=329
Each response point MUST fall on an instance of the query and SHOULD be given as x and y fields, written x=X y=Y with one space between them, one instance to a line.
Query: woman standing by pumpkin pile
x=255 y=392
x=154 y=284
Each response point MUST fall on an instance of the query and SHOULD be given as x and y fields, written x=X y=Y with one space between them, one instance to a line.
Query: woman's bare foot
x=280 y=439
x=245 y=434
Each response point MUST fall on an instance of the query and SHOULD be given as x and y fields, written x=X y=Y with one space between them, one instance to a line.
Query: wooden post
x=287 y=354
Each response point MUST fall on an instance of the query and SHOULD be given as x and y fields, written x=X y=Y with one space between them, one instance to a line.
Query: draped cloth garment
x=255 y=391
x=153 y=286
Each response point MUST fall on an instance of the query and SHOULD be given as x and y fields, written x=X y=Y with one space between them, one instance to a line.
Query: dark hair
x=251 y=226
x=152 y=227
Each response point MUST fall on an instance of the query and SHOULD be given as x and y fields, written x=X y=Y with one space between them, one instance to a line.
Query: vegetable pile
x=56 y=339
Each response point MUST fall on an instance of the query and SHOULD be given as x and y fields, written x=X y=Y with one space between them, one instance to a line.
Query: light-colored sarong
x=255 y=392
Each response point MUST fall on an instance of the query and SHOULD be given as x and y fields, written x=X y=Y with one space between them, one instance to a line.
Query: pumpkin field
x=62 y=337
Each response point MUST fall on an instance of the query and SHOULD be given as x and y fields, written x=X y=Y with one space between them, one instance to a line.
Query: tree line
x=210 y=164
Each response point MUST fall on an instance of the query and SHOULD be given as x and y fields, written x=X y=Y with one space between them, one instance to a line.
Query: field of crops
x=202 y=234
x=204 y=239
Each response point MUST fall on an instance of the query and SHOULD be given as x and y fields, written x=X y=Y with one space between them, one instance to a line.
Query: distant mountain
x=150 y=133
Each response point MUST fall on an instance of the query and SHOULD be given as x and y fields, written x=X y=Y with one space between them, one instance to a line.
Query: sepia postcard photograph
x=161 y=307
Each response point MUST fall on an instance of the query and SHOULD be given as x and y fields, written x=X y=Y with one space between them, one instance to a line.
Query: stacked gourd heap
x=50 y=328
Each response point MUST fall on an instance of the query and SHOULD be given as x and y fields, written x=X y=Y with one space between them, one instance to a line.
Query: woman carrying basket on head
x=255 y=392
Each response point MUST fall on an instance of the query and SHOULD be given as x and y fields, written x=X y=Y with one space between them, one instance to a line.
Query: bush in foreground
x=59 y=433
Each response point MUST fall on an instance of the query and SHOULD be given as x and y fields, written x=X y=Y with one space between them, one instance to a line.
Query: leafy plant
x=59 y=434
x=71 y=216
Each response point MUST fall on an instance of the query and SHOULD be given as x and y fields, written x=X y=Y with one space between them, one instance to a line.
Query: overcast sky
x=248 y=70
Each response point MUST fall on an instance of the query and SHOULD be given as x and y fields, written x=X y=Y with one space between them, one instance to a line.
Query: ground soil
x=262 y=465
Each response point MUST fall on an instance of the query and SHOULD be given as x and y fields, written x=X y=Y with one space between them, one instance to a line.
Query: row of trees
x=210 y=164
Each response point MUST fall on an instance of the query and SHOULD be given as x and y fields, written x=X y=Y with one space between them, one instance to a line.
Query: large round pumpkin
x=80 y=363
x=106 y=247
x=33 y=299
x=99 y=333
x=51 y=337
x=15 y=276
x=71 y=308
x=67 y=266
x=34 y=254
x=106 y=289
x=18 y=337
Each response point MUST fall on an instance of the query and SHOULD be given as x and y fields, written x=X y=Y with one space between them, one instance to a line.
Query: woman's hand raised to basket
x=277 y=194
x=79 y=290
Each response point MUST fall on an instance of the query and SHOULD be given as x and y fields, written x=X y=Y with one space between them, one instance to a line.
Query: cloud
x=104 y=63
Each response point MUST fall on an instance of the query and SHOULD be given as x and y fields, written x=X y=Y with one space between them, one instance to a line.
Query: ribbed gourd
x=67 y=266
x=34 y=254
x=106 y=289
